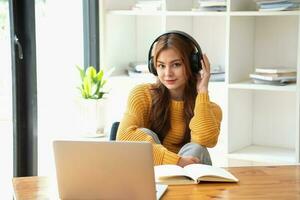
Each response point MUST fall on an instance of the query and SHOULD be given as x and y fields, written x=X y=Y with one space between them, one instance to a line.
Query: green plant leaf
x=81 y=71
x=92 y=82
x=97 y=88
x=101 y=95
x=87 y=86
x=100 y=75
x=103 y=83
x=91 y=72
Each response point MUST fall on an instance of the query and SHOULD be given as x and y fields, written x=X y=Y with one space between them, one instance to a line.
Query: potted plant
x=92 y=92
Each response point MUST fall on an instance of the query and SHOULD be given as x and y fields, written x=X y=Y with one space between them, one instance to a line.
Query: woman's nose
x=168 y=71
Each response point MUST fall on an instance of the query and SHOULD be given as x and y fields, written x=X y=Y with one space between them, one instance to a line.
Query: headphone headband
x=196 y=57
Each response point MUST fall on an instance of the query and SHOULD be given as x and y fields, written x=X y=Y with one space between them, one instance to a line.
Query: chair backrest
x=114 y=130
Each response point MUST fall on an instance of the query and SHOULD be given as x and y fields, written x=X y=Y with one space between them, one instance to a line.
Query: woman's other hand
x=203 y=77
x=187 y=160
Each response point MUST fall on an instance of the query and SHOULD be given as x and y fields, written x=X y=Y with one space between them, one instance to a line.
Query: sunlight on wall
x=59 y=39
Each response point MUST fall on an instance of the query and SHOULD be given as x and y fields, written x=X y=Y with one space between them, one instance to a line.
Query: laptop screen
x=104 y=170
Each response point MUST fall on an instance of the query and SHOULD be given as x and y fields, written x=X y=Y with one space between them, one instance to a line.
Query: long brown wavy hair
x=161 y=100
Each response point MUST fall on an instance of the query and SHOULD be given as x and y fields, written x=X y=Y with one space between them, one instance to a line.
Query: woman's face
x=171 y=72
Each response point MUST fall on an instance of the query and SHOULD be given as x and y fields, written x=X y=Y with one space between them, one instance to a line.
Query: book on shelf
x=146 y=76
x=213 y=8
x=217 y=77
x=274 y=75
x=273 y=78
x=277 y=5
x=275 y=70
x=216 y=69
x=278 y=74
x=139 y=66
x=191 y=174
x=138 y=74
x=269 y=1
x=217 y=73
x=151 y=5
x=280 y=8
x=210 y=5
x=265 y=82
x=138 y=69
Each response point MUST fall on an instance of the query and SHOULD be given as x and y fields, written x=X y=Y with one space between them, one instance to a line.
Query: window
x=6 y=142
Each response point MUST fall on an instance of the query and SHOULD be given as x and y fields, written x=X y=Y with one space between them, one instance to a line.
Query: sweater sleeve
x=205 y=124
x=137 y=117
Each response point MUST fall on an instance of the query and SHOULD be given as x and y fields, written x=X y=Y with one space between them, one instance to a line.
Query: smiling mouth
x=170 y=81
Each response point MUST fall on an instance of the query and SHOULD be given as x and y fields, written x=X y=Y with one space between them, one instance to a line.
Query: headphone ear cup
x=195 y=63
x=151 y=67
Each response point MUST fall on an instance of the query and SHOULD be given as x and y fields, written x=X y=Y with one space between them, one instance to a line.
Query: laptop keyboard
x=160 y=190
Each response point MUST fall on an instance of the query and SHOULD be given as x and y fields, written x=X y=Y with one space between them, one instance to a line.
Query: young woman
x=175 y=114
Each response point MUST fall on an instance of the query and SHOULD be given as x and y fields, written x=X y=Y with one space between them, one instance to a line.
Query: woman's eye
x=160 y=66
x=177 y=64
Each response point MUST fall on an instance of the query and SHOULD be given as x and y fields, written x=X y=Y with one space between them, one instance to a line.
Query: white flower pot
x=93 y=116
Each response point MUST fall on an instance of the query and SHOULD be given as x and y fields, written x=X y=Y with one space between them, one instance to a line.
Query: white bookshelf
x=262 y=154
x=260 y=122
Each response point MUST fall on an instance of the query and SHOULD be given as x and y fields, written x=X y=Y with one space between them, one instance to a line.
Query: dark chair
x=114 y=130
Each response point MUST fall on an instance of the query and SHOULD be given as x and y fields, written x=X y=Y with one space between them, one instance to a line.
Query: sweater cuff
x=170 y=158
x=202 y=97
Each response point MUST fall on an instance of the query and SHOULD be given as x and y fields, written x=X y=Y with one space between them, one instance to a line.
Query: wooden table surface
x=269 y=182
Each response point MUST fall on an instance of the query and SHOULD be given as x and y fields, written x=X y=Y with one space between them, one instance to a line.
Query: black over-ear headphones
x=195 y=59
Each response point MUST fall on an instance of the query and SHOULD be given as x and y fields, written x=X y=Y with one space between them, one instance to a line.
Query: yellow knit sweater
x=204 y=125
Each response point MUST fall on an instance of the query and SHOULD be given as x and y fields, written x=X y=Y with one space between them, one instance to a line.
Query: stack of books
x=210 y=5
x=277 y=5
x=138 y=69
x=217 y=73
x=148 y=5
x=274 y=76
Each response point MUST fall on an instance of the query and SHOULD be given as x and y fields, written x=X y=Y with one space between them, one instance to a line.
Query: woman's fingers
x=202 y=84
x=203 y=66
x=206 y=63
x=196 y=160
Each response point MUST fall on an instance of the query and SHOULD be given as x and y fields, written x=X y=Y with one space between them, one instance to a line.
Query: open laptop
x=105 y=170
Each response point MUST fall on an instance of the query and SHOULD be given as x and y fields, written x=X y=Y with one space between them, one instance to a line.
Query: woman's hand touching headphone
x=203 y=76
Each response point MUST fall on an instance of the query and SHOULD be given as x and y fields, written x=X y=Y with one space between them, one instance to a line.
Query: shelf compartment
x=264 y=154
x=208 y=31
x=261 y=41
x=139 y=32
x=248 y=85
x=262 y=118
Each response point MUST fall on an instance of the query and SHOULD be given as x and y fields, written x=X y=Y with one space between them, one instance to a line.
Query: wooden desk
x=273 y=182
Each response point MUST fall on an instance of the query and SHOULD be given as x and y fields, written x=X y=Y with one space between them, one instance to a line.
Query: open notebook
x=191 y=174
